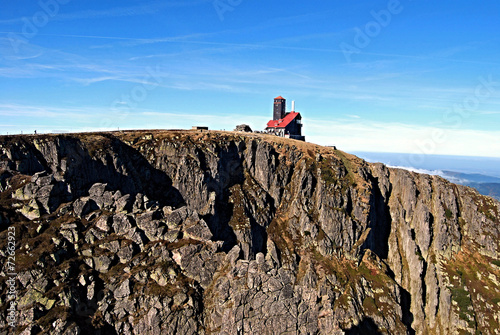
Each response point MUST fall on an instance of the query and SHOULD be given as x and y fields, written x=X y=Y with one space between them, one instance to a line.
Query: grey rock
x=122 y=224
x=138 y=205
x=31 y=210
x=124 y=204
x=113 y=246
x=103 y=223
x=233 y=255
x=83 y=206
x=242 y=234
x=175 y=218
x=96 y=193
x=243 y=127
x=198 y=231
x=126 y=252
x=42 y=179
x=123 y=290
x=97 y=190
x=94 y=235
x=151 y=225
x=70 y=233
x=102 y=263
x=171 y=235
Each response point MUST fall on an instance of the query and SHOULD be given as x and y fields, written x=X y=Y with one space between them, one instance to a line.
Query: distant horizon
x=436 y=155
x=488 y=166
x=354 y=152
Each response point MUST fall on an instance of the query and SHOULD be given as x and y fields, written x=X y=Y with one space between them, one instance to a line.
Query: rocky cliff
x=184 y=232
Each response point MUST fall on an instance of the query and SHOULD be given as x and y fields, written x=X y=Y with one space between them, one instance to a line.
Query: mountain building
x=285 y=124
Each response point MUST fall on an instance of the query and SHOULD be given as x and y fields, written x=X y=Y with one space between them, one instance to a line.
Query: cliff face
x=225 y=233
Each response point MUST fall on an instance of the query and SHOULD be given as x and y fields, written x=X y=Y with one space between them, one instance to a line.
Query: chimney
x=293 y=106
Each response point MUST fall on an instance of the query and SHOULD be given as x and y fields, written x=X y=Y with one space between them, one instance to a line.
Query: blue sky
x=390 y=76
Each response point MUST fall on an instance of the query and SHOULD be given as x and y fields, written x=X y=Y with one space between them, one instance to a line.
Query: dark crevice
x=424 y=285
x=407 y=314
x=379 y=221
x=366 y=326
x=259 y=237
x=229 y=173
x=431 y=226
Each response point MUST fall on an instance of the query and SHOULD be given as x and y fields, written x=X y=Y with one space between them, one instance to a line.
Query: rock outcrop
x=243 y=127
x=182 y=232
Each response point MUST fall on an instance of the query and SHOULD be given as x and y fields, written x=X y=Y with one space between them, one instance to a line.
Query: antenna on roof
x=293 y=106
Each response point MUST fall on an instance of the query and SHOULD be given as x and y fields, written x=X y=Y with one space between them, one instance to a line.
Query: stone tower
x=279 y=108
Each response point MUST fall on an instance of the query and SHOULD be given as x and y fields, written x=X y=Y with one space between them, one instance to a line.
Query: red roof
x=282 y=123
x=280 y=98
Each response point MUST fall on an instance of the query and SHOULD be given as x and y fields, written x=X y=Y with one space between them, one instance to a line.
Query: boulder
x=198 y=231
x=70 y=232
x=243 y=127
x=103 y=263
x=122 y=224
x=96 y=193
x=126 y=252
x=153 y=228
x=103 y=223
x=138 y=203
x=42 y=179
x=123 y=290
x=31 y=210
x=175 y=219
x=25 y=193
x=44 y=198
x=124 y=204
x=83 y=206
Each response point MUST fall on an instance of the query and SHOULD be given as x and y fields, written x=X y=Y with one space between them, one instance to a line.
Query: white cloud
x=433 y=173
x=362 y=135
x=349 y=134
x=143 y=9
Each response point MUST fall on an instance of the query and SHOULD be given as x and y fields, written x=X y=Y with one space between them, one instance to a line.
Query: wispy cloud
x=440 y=173
x=489 y=112
x=18 y=110
x=367 y=135
x=143 y=9
x=348 y=134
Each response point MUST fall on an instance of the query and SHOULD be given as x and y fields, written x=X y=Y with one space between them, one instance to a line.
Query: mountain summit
x=187 y=232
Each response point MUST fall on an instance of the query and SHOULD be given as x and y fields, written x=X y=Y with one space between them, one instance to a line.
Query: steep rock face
x=192 y=233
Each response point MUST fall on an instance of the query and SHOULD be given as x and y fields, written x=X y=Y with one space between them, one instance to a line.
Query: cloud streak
x=347 y=134
x=439 y=173
x=374 y=136
x=143 y=9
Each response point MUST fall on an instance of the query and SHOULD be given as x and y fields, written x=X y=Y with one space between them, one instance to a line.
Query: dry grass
x=471 y=284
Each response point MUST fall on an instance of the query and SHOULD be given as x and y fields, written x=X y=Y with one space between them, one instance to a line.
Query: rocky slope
x=184 y=232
